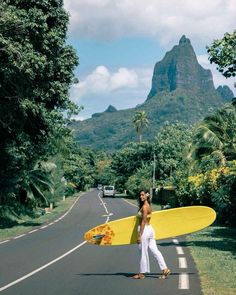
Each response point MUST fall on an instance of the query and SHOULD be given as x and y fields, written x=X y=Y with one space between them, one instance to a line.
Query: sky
x=119 y=42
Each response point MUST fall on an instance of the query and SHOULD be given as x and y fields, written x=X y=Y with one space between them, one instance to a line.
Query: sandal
x=138 y=276
x=165 y=274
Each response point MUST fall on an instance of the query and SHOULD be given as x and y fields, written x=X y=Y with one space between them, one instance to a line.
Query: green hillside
x=182 y=90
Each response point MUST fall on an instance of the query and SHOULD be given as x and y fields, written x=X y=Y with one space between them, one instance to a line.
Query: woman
x=146 y=239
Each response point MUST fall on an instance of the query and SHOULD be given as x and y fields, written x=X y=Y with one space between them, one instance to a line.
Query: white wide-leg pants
x=148 y=241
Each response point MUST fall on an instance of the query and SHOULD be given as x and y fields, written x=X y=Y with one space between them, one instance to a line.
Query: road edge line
x=45 y=224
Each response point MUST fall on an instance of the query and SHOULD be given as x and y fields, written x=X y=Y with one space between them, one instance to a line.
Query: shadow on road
x=129 y=275
x=165 y=244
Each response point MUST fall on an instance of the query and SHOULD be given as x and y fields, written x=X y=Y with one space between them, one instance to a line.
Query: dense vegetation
x=35 y=76
x=222 y=52
x=190 y=159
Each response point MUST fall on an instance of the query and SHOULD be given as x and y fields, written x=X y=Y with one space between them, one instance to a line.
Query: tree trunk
x=140 y=138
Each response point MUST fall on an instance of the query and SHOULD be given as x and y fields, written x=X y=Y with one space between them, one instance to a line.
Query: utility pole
x=153 y=177
x=154 y=171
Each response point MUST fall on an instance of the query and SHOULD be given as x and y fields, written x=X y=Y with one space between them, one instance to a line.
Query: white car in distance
x=108 y=191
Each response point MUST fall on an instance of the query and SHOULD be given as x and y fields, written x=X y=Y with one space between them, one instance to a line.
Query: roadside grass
x=214 y=252
x=27 y=223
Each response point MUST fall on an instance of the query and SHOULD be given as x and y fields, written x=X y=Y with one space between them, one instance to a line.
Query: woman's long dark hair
x=140 y=201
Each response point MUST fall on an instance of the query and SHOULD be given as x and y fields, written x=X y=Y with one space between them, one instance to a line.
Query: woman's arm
x=143 y=222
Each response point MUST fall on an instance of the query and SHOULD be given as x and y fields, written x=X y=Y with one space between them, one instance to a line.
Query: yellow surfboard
x=166 y=223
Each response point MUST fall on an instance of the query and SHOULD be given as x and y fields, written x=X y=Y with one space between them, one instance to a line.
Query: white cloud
x=78 y=118
x=124 y=78
x=202 y=20
x=97 y=81
x=123 y=88
x=101 y=80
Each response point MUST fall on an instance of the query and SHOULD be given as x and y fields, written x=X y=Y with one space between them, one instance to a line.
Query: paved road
x=56 y=260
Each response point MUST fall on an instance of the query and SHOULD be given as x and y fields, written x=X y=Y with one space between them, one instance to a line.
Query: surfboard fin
x=97 y=239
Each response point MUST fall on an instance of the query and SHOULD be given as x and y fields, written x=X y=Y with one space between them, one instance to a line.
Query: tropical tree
x=126 y=161
x=140 y=121
x=224 y=195
x=79 y=166
x=140 y=180
x=214 y=140
x=222 y=52
x=171 y=146
x=35 y=186
x=35 y=77
x=104 y=173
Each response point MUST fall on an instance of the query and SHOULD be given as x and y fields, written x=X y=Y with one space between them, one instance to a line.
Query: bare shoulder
x=146 y=209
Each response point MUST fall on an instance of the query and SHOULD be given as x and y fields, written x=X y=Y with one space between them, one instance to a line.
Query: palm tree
x=215 y=138
x=38 y=182
x=140 y=121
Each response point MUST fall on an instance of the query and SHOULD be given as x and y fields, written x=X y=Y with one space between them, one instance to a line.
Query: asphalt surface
x=56 y=260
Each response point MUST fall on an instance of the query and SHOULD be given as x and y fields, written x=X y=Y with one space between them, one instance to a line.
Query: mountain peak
x=111 y=109
x=225 y=92
x=184 y=40
x=179 y=69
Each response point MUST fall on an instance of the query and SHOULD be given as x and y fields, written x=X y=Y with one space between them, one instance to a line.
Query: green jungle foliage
x=126 y=161
x=222 y=52
x=35 y=77
x=201 y=181
x=79 y=167
x=133 y=165
x=140 y=180
x=212 y=170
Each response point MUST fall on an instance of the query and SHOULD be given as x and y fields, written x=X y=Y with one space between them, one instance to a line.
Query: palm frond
x=38 y=194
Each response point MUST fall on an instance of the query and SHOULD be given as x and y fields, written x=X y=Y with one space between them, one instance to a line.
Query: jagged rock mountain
x=180 y=69
x=182 y=90
x=110 y=109
x=225 y=92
